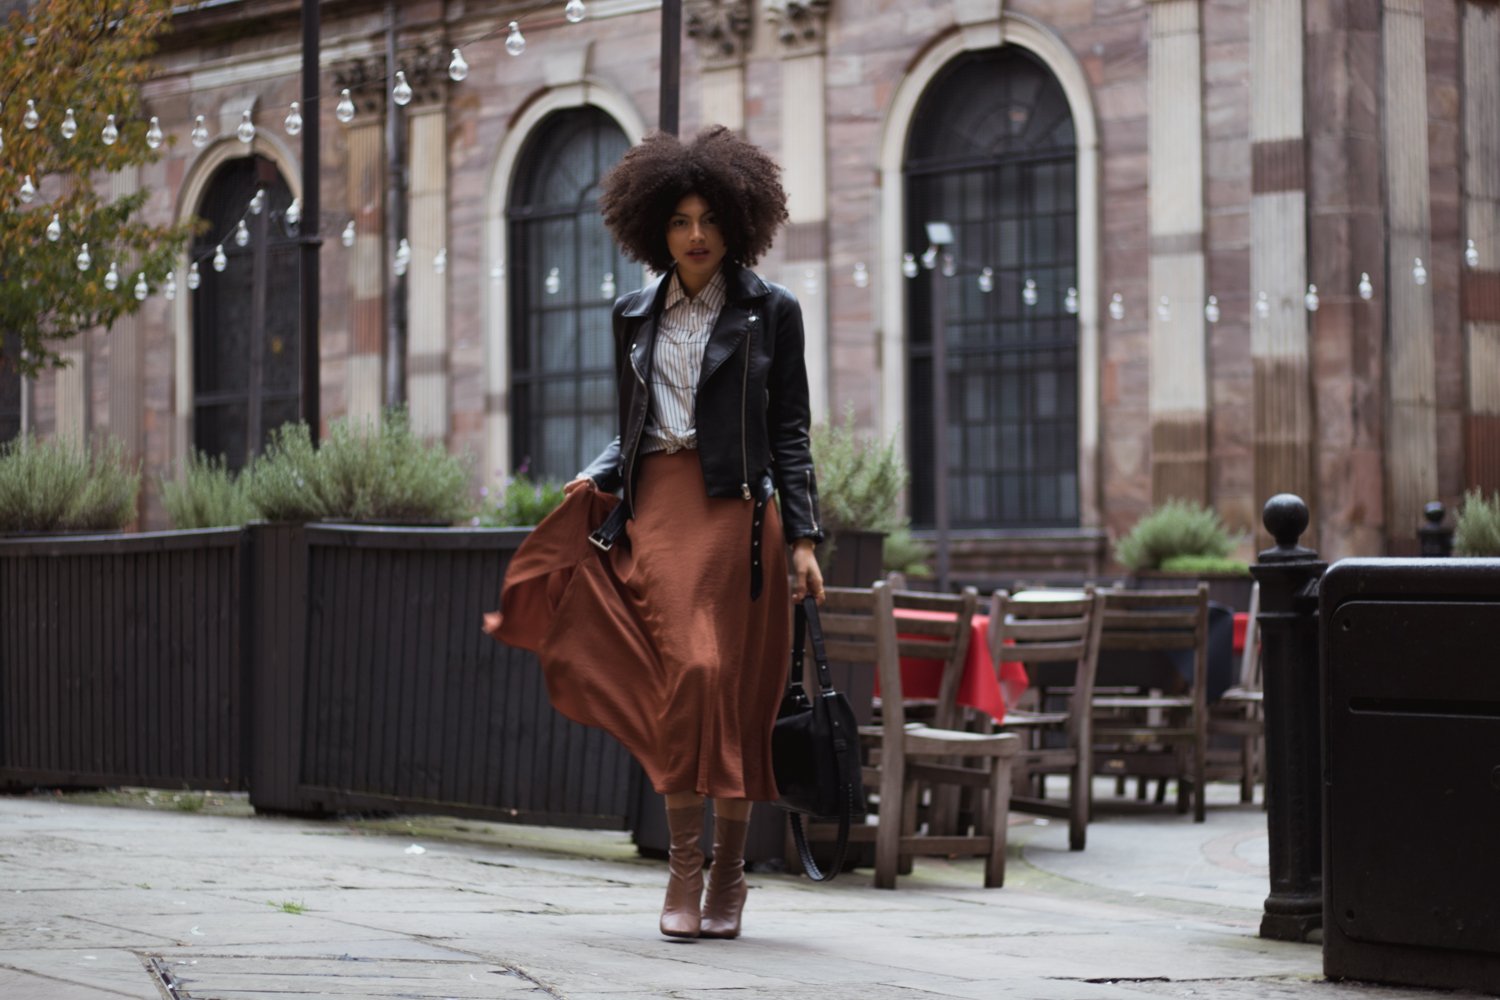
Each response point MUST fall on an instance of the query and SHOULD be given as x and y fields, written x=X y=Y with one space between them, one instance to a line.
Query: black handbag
x=815 y=750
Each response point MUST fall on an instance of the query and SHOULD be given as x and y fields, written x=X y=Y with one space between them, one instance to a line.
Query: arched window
x=564 y=274
x=992 y=153
x=245 y=377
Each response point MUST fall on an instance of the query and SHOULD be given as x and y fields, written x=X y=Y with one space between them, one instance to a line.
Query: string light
x=987 y=280
x=810 y=281
x=607 y=286
x=1029 y=293
x=1262 y=305
x=347 y=236
x=169 y=289
x=403 y=257
x=221 y=261
x=861 y=275
x=28 y=190
x=1117 y=307
x=575 y=11
x=69 y=125
x=1419 y=272
x=1070 y=301
x=54 y=228
x=31 y=119
x=199 y=133
x=2 y=140
x=246 y=129
x=1311 y=300
x=1211 y=311
x=194 y=278
x=259 y=201
x=344 y=110
x=1366 y=289
x=293 y=120
x=401 y=92
x=909 y=264
x=112 y=277
x=294 y=212
x=154 y=135
x=1164 y=309
x=141 y=288
x=110 y=132
x=458 y=69
x=950 y=266
x=929 y=258
x=515 y=42
x=1471 y=254
x=84 y=260
x=553 y=284
x=242 y=234
x=440 y=261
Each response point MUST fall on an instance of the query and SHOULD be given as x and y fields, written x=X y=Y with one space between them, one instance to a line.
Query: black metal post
x=395 y=214
x=671 y=65
x=940 y=424
x=1288 y=619
x=311 y=207
x=1435 y=539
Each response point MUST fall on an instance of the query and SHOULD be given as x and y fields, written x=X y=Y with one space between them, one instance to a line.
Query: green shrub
x=1204 y=564
x=1477 y=529
x=861 y=483
x=210 y=496
x=1176 y=528
x=282 y=482
x=55 y=485
x=522 y=503
x=904 y=554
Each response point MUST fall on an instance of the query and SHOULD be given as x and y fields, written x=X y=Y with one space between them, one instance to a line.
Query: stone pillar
x=427 y=299
x=1278 y=254
x=1481 y=284
x=722 y=31
x=1179 y=371
x=365 y=158
x=125 y=402
x=1411 y=408
x=800 y=30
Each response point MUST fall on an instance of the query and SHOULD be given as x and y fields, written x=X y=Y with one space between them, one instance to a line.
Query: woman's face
x=695 y=242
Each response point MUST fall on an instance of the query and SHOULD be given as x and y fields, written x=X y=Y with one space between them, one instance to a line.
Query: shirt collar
x=711 y=297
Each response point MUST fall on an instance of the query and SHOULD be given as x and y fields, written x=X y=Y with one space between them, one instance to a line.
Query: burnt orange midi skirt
x=657 y=641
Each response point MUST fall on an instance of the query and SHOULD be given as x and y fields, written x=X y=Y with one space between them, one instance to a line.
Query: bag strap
x=840 y=846
x=808 y=624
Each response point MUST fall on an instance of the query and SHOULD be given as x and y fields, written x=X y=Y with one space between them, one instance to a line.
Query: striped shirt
x=681 y=338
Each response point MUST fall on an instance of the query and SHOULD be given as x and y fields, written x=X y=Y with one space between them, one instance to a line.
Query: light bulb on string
x=84 y=260
x=575 y=11
x=28 y=190
x=1419 y=272
x=112 y=276
x=294 y=212
x=1311 y=301
x=2 y=140
x=1262 y=305
x=861 y=275
x=1164 y=309
x=154 y=134
x=1366 y=289
x=401 y=92
x=1070 y=301
x=258 y=202
x=403 y=257
x=1117 y=307
x=246 y=128
x=440 y=261
x=141 y=288
x=54 y=228
x=1211 y=310
x=810 y=281
x=169 y=287
x=950 y=266
x=987 y=280
x=242 y=234
x=110 y=132
x=458 y=69
x=347 y=236
x=69 y=126
x=909 y=264
x=221 y=259
x=553 y=284
x=1029 y=293
x=293 y=121
x=515 y=42
x=344 y=110
x=607 y=286
x=200 y=133
x=929 y=258
x=1471 y=254
x=31 y=119
x=194 y=278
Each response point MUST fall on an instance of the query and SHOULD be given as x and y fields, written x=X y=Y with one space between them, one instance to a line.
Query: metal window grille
x=561 y=346
x=993 y=153
x=224 y=377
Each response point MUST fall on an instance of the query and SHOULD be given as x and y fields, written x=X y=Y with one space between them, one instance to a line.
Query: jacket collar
x=740 y=284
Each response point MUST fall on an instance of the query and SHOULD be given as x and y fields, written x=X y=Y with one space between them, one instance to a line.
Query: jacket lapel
x=741 y=315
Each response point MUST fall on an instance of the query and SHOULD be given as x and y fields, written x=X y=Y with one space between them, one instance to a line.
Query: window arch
x=563 y=264
x=992 y=151
x=245 y=381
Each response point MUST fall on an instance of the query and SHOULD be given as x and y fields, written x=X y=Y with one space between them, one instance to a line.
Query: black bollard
x=1435 y=539
x=1288 y=619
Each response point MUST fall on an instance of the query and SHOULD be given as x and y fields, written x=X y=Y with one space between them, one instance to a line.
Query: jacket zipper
x=812 y=502
x=745 y=416
x=629 y=488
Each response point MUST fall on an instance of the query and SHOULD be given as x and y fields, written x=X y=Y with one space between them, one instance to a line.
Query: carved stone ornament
x=426 y=72
x=722 y=28
x=799 y=24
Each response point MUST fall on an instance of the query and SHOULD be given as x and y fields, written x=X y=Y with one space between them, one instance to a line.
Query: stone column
x=722 y=30
x=125 y=401
x=800 y=30
x=1411 y=408
x=427 y=298
x=1179 y=371
x=1481 y=284
x=368 y=267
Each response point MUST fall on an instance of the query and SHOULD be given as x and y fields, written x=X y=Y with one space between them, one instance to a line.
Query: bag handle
x=807 y=624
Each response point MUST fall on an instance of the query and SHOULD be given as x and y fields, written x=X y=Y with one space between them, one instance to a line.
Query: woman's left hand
x=805 y=566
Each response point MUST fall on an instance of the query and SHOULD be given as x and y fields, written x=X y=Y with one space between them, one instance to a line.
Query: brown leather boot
x=726 y=880
x=681 y=913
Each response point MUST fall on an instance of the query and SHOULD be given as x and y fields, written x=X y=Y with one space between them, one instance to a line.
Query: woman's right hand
x=582 y=482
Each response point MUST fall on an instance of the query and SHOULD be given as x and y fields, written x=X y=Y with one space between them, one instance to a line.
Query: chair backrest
x=1250 y=657
x=1158 y=621
x=859 y=629
x=933 y=626
x=1064 y=630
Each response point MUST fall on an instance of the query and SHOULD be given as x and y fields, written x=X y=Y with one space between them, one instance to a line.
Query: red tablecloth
x=1241 y=622
x=981 y=687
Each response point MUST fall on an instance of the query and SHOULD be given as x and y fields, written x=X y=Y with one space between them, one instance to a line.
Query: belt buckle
x=599 y=543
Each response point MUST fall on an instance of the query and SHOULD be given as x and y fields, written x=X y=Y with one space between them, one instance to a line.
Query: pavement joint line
x=521 y=972
x=59 y=979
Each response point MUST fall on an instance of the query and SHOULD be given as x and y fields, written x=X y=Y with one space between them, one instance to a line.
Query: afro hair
x=741 y=184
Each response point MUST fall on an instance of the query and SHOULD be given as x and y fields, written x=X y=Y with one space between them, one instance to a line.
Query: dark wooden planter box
x=1232 y=589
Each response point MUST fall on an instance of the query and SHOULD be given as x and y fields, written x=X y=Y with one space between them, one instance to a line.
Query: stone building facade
x=1199 y=222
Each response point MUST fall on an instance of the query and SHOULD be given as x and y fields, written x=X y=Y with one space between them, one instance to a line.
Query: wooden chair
x=1239 y=712
x=1147 y=725
x=1058 y=642
x=859 y=627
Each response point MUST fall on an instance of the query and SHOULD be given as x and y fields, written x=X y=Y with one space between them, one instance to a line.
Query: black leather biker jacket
x=752 y=414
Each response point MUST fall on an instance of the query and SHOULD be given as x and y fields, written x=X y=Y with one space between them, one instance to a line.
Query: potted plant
x=54 y=486
x=1477 y=529
x=1181 y=542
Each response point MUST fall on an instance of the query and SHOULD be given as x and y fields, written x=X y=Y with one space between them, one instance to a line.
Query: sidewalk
x=241 y=908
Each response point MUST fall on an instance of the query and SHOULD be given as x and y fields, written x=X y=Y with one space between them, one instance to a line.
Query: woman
x=673 y=632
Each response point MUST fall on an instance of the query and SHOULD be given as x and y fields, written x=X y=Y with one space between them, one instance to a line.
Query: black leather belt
x=605 y=536
x=757 y=521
